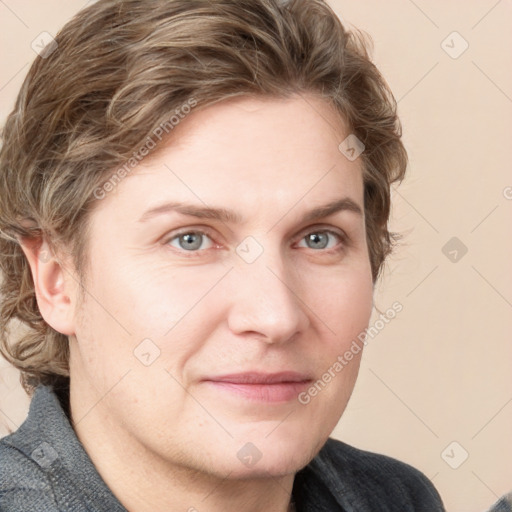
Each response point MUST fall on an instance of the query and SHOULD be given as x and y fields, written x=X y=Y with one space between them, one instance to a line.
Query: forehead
x=252 y=154
x=267 y=127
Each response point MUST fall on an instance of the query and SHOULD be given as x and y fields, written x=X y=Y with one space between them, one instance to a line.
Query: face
x=227 y=274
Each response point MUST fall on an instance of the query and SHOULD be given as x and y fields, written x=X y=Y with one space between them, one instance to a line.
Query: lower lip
x=277 y=392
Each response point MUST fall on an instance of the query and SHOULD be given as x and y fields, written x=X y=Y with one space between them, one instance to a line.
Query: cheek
x=152 y=297
x=343 y=302
x=174 y=308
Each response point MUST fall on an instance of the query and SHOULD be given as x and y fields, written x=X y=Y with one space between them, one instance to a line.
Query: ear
x=54 y=285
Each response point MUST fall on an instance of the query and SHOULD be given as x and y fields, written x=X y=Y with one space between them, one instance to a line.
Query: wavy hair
x=115 y=73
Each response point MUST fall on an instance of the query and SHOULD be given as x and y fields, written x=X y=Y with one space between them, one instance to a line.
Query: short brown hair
x=118 y=71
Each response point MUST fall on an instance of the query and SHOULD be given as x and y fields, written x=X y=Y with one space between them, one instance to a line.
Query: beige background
x=439 y=372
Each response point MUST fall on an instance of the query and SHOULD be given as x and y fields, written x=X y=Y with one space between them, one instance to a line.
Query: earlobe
x=53 y=285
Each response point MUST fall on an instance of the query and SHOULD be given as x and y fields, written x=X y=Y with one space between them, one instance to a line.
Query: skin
x=161 y=436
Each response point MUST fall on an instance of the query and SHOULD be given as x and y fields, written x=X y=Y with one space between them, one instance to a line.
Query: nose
x=266 y=301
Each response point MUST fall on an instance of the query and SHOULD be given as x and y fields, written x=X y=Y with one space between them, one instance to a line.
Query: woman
x=195 y=205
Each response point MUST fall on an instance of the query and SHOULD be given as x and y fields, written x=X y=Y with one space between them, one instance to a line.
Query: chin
x=275 y=455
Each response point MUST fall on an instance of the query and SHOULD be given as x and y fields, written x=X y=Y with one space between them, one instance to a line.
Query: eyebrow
x=229 y=216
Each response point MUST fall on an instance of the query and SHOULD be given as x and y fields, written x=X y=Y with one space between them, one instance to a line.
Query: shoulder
x=43 y=465
x=377 y=467
x=372 y=480
x=28 y=458
x=503 y=505
x=23 y=483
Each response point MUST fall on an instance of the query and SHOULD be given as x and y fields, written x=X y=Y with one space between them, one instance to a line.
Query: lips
x=261 y=378
x=259 y=386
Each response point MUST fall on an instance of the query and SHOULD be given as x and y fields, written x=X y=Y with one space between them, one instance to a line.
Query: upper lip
x=261 y=378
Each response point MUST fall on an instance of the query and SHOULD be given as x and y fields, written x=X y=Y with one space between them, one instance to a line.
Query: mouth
x=262 y=387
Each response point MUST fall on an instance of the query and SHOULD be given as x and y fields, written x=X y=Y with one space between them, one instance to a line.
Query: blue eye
x=196 y=241
x=190 y=241
x=321 y=240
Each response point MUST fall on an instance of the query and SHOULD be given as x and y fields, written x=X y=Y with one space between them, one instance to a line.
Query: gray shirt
x=44 y=468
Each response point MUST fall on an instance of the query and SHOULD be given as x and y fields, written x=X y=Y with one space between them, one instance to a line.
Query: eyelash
x=343 y=240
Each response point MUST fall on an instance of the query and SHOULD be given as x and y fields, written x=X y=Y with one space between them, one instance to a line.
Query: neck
x=143 y=480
